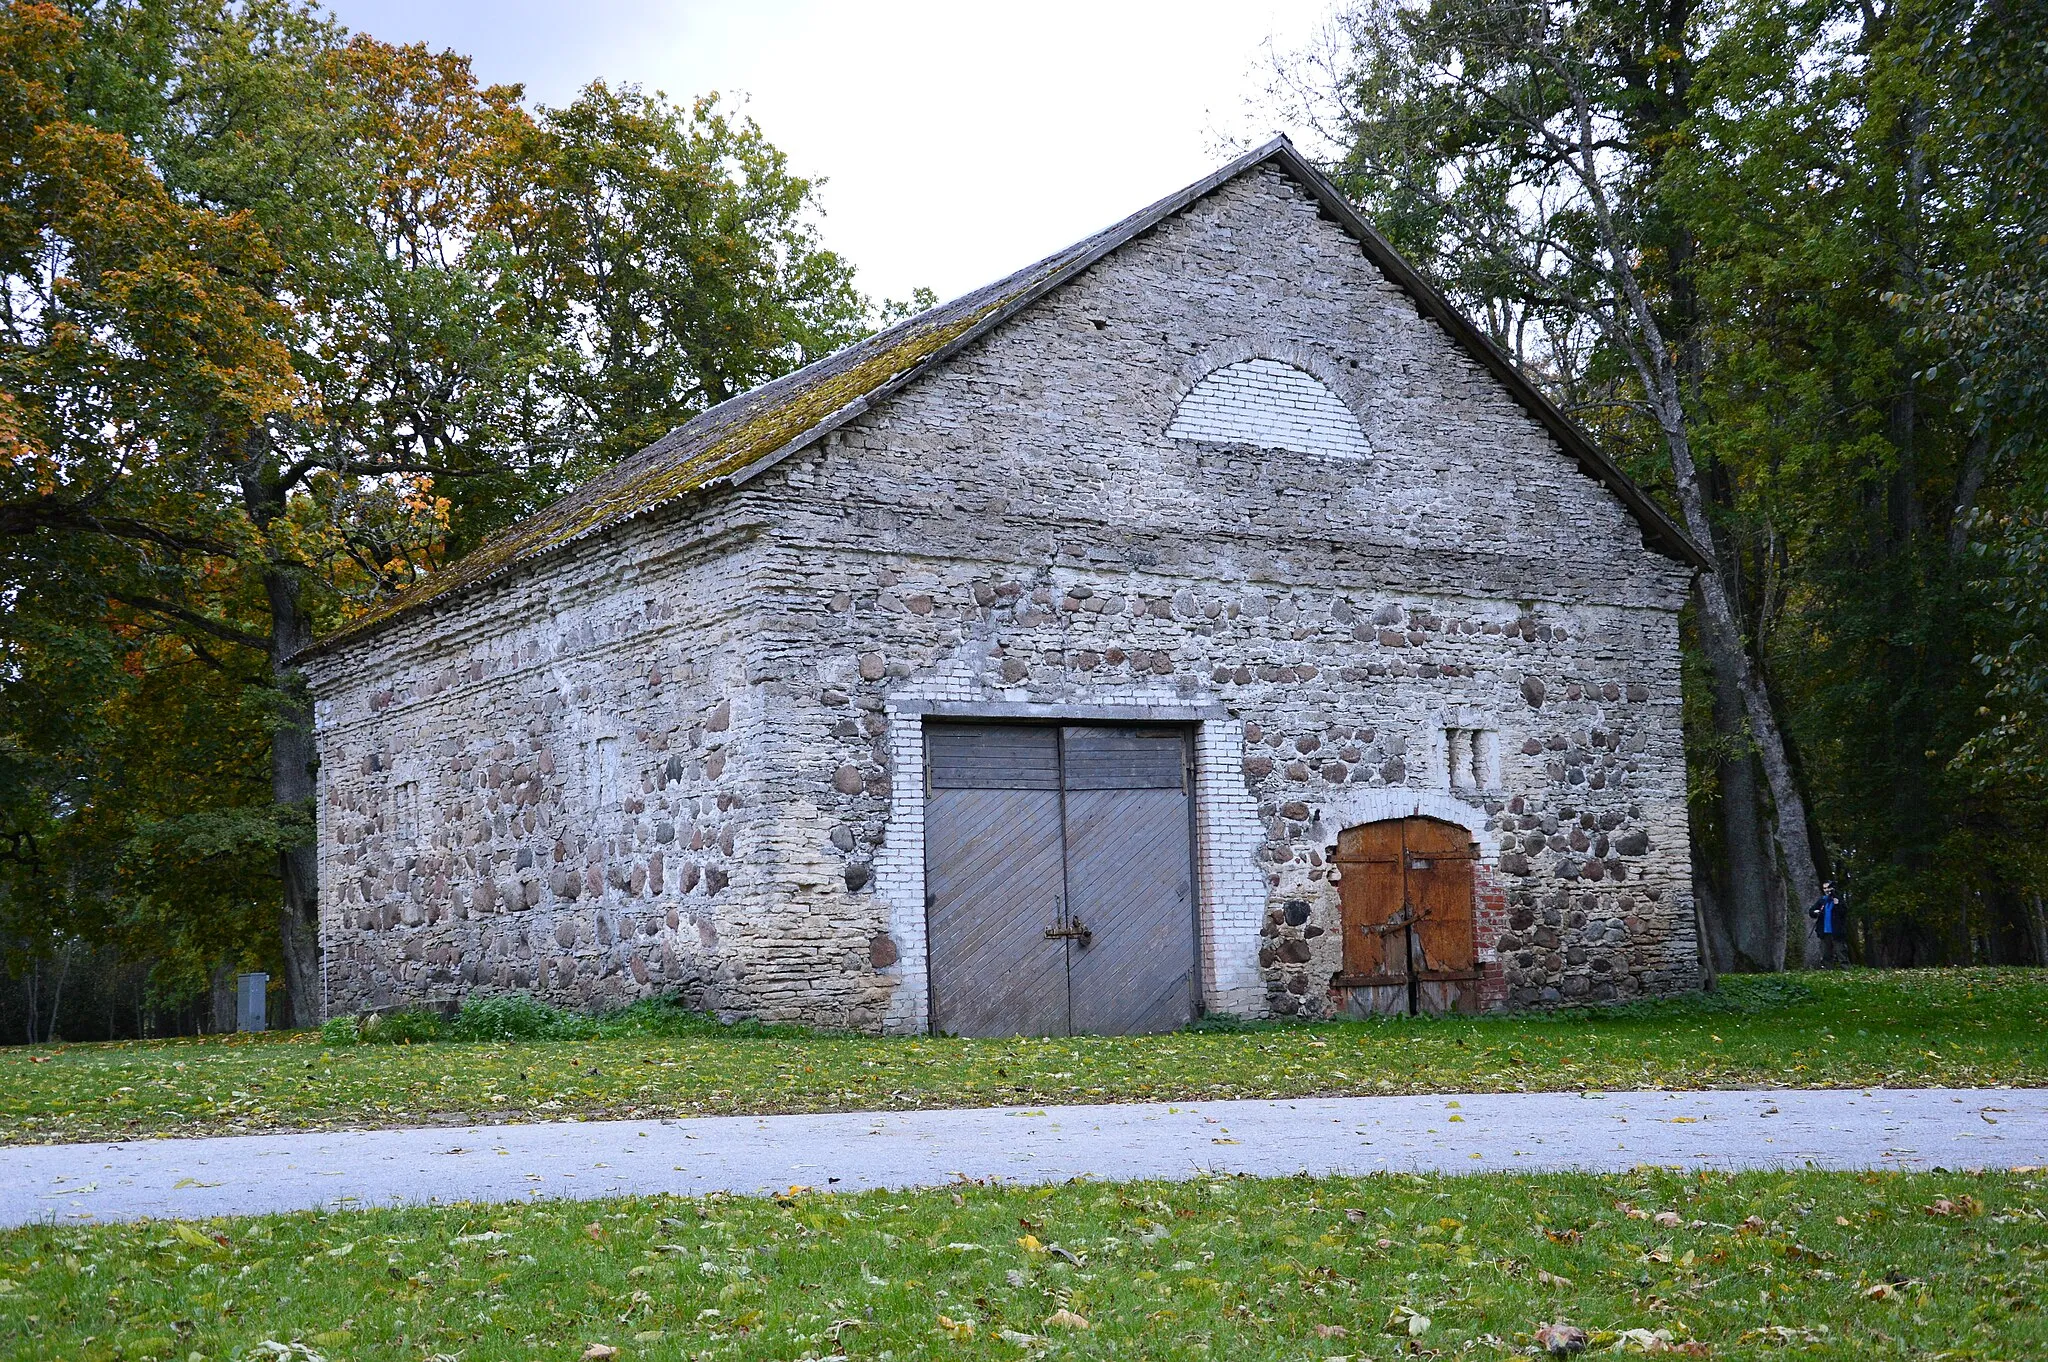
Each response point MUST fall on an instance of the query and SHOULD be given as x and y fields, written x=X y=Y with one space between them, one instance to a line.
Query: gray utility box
x=249 y=1000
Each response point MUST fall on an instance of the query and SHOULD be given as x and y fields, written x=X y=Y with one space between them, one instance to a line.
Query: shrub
x=669 y=1016
x=521 y=1016
x=518 y=1016
x=407 y=1026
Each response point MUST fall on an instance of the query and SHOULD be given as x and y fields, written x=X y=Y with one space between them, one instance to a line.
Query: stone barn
x=1206 y=618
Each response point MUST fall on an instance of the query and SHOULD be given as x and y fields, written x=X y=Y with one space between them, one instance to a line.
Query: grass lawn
x=1851 y=1029
x=1830 y=1265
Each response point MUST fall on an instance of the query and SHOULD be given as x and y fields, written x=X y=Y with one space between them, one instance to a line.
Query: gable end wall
x=1015 y=535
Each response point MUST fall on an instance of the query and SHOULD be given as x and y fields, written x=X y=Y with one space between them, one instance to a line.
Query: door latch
x=1070 y=930
x=1391 y=925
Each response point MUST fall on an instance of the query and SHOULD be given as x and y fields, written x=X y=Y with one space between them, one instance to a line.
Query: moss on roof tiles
x=710 y=450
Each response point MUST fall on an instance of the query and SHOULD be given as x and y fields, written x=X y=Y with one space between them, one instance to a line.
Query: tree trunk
x=1976 y=463
x=293 y=762
x=51 y=1032
x=1720 y=614
x=1788 y=801
x=223 y=999
x=1751 y=897
x=1710 y=974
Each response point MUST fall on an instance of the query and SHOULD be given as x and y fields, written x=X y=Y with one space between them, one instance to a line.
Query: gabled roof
x=739 y=439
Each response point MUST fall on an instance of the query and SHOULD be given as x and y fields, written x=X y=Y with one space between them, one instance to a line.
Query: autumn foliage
x=291 y=315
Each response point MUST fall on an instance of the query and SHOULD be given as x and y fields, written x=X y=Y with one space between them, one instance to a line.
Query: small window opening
x=1474 y=758
x=605 y=772
x=407 y=800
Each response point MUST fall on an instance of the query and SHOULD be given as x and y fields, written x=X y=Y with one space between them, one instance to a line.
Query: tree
x=1525 y=140
x=411 y=311
x=1714 y=231
x=137 y=342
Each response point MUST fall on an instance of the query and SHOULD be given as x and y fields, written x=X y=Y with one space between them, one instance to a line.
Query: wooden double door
x=1059 y=879
x=1406 y=888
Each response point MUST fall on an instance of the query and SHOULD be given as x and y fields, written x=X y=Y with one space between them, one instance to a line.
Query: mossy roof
x=740 y=438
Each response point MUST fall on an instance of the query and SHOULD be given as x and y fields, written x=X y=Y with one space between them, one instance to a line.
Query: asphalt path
x=1899 y=1128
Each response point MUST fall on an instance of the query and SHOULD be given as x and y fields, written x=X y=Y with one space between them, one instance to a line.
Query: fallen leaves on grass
x=1979 y=1022
x=186 y=1234
x=1889 y=1288
x=1962 y=1207
x=1657 y=1341
x=1255 y=1282
x=1560 y=1339
x=598 y=1352
x=1064 y=1318
x=1406 y=1319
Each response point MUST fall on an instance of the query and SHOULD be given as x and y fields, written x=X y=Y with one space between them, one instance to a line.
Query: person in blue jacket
x=1831 y=924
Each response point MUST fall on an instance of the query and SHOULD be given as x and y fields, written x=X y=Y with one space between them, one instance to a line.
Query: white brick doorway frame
x=1230 y=890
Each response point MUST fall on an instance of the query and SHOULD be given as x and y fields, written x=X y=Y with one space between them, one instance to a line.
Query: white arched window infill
x=1268 y=405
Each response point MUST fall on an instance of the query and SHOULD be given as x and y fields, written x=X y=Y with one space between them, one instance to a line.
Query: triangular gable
x=740 y=438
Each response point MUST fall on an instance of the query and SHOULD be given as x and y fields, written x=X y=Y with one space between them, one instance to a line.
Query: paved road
x=1880 y=1128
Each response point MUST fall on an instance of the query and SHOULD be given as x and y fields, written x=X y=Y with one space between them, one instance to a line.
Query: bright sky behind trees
x=959 y=141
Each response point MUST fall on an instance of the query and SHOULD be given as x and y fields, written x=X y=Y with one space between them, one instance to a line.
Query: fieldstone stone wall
x=550 y=790
x=1017 y=533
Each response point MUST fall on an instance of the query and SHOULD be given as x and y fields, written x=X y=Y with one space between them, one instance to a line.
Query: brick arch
x=1349 y=808
x=1330 y=370
x=1269 y=403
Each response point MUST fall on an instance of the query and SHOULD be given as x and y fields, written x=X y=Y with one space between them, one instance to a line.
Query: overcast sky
x=959 y=140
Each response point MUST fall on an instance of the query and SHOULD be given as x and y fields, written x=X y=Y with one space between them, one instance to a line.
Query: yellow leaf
x=186 y=1234
x=1029 y=1243
x=958 y=1328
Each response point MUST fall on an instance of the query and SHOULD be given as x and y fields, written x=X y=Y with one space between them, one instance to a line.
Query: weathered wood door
x=995 y=875
x=1406 y=889
x=1059 y=880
